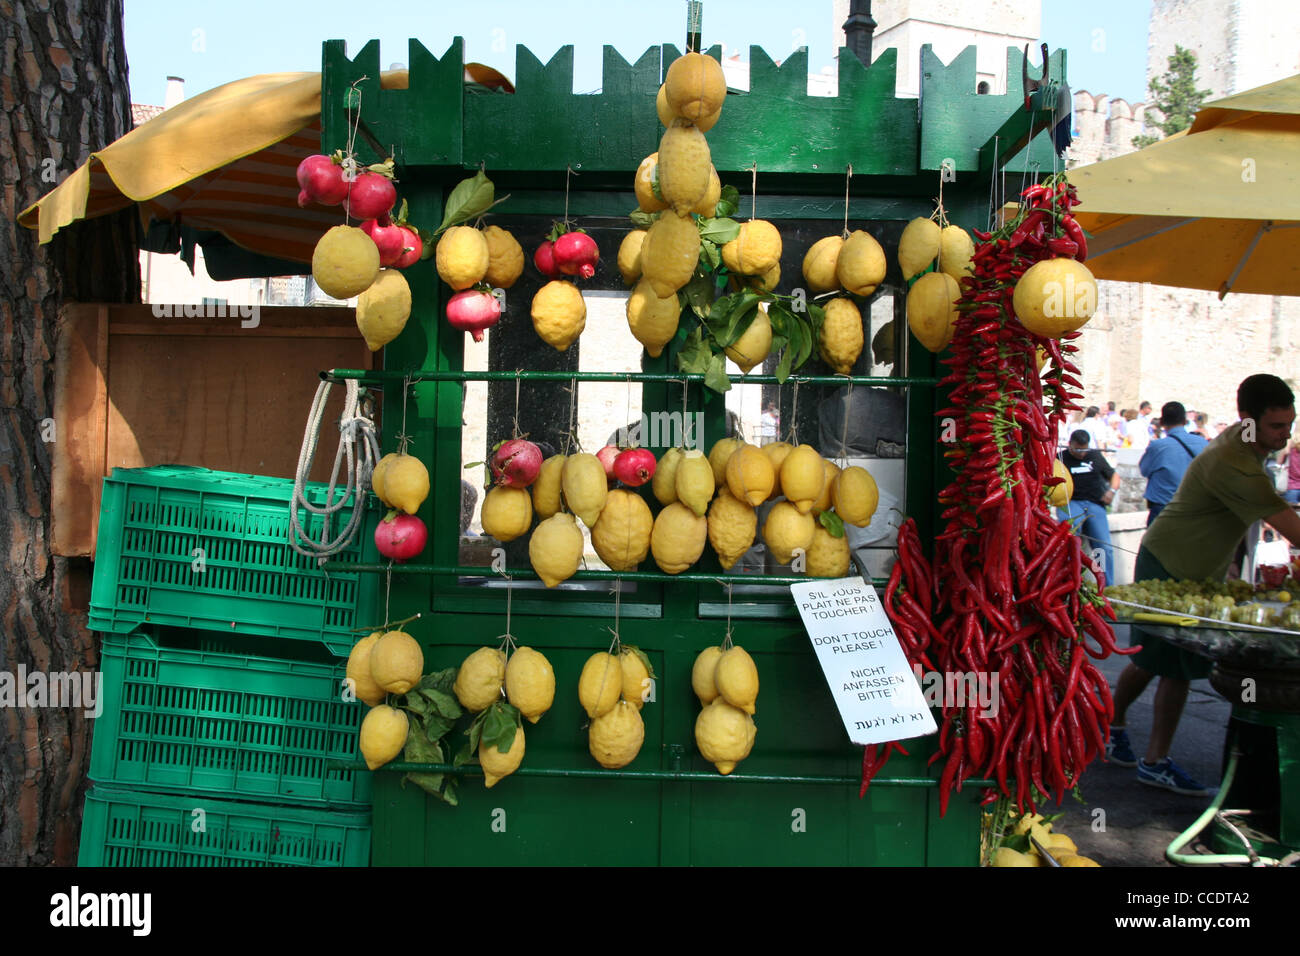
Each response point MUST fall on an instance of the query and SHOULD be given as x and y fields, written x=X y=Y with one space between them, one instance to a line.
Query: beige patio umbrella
x=1216 y=207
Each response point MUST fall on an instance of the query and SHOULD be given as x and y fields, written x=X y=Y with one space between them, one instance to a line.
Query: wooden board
x=133 y=390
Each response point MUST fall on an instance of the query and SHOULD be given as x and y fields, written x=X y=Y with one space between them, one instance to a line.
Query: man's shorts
x=1158 y=656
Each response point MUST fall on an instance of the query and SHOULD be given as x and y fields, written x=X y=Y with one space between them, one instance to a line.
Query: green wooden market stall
x=795 y=799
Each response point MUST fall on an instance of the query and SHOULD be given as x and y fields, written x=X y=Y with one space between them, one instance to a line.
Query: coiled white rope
x=354 y=427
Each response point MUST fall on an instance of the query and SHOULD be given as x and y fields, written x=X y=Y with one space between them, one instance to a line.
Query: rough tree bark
x=63 y=87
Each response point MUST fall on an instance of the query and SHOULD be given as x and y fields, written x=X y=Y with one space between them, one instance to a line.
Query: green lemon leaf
x=1018 y=842
x=442 y=703
x=699 y=293
x=783 y=366
x=642 y=218
x=695 y=354
x=716 y=376
x=710 y=256
x=470 y=199
x=650 y=668
x=416 y=703
x=737 y=324
x=832 y=523
x=720 y=231
x=728 y=202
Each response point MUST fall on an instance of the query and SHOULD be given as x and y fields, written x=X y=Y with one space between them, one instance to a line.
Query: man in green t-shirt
x=1224 y=491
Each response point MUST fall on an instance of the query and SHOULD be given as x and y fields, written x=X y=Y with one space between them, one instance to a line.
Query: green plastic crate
x=154 y=525
x=133 y=828
x=235 y=726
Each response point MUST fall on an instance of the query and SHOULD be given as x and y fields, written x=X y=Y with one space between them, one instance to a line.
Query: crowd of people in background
x=1110 y=428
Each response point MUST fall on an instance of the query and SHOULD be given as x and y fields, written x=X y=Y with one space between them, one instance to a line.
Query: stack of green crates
x=219 y=741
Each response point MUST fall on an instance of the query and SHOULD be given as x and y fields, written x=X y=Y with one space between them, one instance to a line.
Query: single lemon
x=629 y=256
x=555 y=548
x=955 y=252
x=694 y=482
x=383 y=735
x=724 y=734
x=652 y=320
x=559 y=314
x=546 y=489
x=824 y=500
x=819 y=264
x=684 y=165
x=1058 y=496
x=694 y=86
x=644 y=184
x=828 y=556
x=637 y=679
x=677 y=539
x=377 y=477
x=615 y=737
x=462 y=257
x=750 y=475
x=802 y=477
x=753 y=346
x=601 y=684
x=664 y=482
x=1005 y=856
x=707 y=206
x=719 y=455
x=345 y=262
x=382 y=310
x=841 y=336
x=932 y=309
x=737 y=678
x=505 y=258
x=396 y=662
x=496 y=764
x=732 y=527
x=787 y=531
x=585 y=485
x=755 y=250
x=621 y=535
x=530 y=682
x=507 y=513
x=406 y=483
x=855 y=496
x=918 y=246
x=861 y=264
x=364 y=687
x=479 y=680
x=670 y=253
x=702 y=673
x=1055 y=296
x=777 y=452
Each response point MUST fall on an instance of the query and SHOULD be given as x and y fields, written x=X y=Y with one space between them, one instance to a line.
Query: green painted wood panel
x=545 y=125
x=956 y=120
x=781 y=128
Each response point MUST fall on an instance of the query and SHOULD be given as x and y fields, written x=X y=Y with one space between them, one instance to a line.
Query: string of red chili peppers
x=1005 y=596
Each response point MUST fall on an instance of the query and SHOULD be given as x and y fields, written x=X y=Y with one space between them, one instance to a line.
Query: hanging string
x=794 y=415
x=615 y=646
x=568 y=171
x=402 y=438
x=993 y=187
x=568 y=436
x=753 y=192
x=627 y=412
x=388 y=589
x=350 y=160
x=515 y=427
x=848 y=174
x=726 y=640
x=844 y=436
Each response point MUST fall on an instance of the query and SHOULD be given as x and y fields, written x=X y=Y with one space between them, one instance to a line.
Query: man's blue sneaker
x=1118 y=750
x=1169 y=776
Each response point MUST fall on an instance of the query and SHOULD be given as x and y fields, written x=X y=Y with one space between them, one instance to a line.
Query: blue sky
x=212 y=43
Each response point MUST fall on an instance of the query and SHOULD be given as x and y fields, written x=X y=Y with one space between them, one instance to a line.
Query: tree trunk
x=64 y=92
